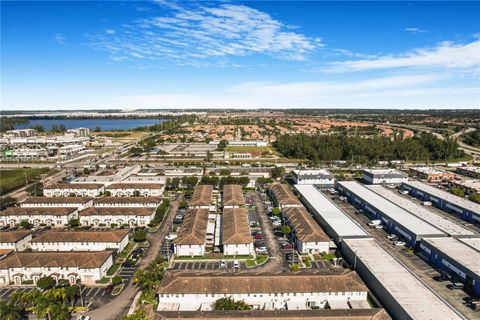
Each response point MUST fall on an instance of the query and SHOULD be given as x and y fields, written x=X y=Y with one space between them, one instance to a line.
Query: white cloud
x=446 y=55
x=60 y=38
x=414 y=30
x=110 y=31
x=197 y=35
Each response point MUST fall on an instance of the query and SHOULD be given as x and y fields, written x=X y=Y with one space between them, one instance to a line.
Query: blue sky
x=225 y=54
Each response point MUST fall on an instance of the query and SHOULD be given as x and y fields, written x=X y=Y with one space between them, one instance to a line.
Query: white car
x=223 y=264
x=392 y=237
x=236 y=264
x=399 y=243
x=262 y=250
x=171 y=237
x=378 y=226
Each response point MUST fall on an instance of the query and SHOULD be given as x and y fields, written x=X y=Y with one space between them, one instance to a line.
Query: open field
x=122 y=136
x=15 y=178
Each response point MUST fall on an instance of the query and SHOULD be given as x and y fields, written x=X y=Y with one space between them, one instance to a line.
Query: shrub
x=117 y=280
x=139 y=235
x=46 y=283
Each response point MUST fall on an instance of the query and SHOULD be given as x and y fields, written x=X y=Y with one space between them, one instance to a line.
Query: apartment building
x=106 y=216
x=135 y=189
x=73 y=189
x=59 y=202
x=14 y=240
x=233 y=196
x=191 y=238
x=431 y=174
x=283 y=197
x=52 y=217
x=202 y=197
x=128 y=202
x=236 y=236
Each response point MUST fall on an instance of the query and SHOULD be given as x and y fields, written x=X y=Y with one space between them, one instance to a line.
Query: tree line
x=318 y=148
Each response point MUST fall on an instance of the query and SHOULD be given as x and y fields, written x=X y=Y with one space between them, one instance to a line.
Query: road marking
x=96 y=292
x=89 y=291
x=5 y=292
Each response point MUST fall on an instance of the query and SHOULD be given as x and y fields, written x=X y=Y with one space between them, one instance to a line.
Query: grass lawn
x=15 y=178
x=113 y=269
x=127 y=250
x=328 y=256
x=251 y=149
x=104 y=280
x=259 y=260
x=116 y=291
x=251 y=263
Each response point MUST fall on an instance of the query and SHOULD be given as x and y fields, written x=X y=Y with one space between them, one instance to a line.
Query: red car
x=259 y=236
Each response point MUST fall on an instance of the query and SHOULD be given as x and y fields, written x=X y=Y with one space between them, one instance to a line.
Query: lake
x=104 y=124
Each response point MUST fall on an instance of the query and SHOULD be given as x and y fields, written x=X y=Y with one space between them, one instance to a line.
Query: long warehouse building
x=457 y=258
x=465 y=209
x=395 y=219
x=449 y=227
x=402 y=294
x=336 y=223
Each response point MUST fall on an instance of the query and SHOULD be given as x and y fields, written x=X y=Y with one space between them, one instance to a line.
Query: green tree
x=7 y=201
x=457 y=191
x=117 y=280
x=35 y=189
x=278 y=172
x=74 y=223
x=46 y=283
x=229 y=304
x=136 y=151
x=38 y=127
x=475 y=197
x=225 y=172
x=98 y=129
x=222 y=145
x=25 y=224
x=136 y=193
x=286 y=230
x=276 y=211
x=139 y=235
x=10 y=311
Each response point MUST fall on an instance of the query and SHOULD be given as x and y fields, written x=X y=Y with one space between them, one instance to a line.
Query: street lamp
x=81 y=290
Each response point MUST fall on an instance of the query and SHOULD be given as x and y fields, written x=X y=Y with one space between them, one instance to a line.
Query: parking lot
x=6 y=292
x=206 y=265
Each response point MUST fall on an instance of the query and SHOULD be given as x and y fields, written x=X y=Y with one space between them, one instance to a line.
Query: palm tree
x=11 y=311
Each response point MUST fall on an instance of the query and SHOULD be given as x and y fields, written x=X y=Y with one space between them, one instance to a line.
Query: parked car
x=287 y=245
x=374 y=223
x=392 y=237
x=222 y=264
x=109 y=288
x=455 y=286
x=178 y=219
x=236 y=264
x=426 y=203
x=292 y=258
x=399 y=243
x=171 y=237
x=378 y=226
x=262 y=250
x=258 y=236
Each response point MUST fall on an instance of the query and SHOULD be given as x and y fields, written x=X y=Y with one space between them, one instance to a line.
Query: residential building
x=22 y=133
x=73 y=189
x=106 y=216
x=307 y=234
x=283 y=197
x=236 y=236
x=431 y=174
x=107 y=178
x=80 y=240
x=52 y=217
x=233 y=196
x=135 y=189
x=14 y=240
x=86 y=267
x=384 y=176
x=262 y=292
x=322 y=177
x=202 y=197
x=79 y=132
x=191 y=237
x=63 y=202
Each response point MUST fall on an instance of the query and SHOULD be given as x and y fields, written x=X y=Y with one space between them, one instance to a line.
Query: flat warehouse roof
x=444 y=195
x=414 y=297
x=440 y=222
x=465 y=255
x=472 y=242
x=333 y=215
x=389 y=209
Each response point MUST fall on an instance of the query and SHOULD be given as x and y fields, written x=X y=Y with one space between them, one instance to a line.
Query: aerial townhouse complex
x=48 y=216
x=192 y=236
x=128 y=202
x=74 y=189
x=85 y=266
x=267 y=291
x=106 y=216
x=202 y=197
x=14 y=241
x=233 y=196
x=283 y=197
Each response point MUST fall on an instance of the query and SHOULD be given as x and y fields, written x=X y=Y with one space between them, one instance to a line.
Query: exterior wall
x=258 y=300
x=386 y=180
x=189 y=250
x=78 y=192
x=131 y=191
x=107 y=220
x=312 y=247
x=20 y=245
x=86 y=276
x=442 y=261
x=48 y=220
x=238 y=249
x=127 y=205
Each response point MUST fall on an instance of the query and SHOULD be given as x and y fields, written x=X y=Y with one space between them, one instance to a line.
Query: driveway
x=119 y=306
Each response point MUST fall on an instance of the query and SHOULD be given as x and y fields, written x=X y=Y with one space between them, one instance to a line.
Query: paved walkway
x=118 y=307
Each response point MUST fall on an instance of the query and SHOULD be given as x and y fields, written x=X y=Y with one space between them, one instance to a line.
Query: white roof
x=421 y=212
x=333 y=215
x=458 y=251
x=444 y=195
x=472 y=169
x=384 y=171
x=428 y=170
x=389 y=209
x=312 y=172
x=414 y=297
x=472 y=242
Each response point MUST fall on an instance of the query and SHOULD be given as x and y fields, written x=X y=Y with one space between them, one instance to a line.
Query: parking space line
x=3 y=293
x=96 y=292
